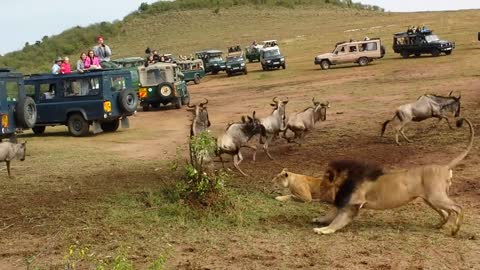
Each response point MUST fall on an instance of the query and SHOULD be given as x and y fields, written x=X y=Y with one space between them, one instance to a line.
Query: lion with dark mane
x=361 y=185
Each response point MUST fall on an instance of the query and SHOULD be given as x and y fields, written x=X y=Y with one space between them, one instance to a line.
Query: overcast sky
x=30 y=20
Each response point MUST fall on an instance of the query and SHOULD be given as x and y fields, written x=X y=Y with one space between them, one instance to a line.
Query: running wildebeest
x=237 y=136
x=200 y=121
x=10 y=151
x=274 y=123
x=426 y=106
x=302 y=122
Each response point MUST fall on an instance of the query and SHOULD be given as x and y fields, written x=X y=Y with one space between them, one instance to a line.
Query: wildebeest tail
x=457 y=160
x=384 y=125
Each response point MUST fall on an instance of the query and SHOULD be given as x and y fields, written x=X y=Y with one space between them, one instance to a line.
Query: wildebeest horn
x=450 y=93
x=190 y=106
x=204 y=103
x=313 y=100
x=275 y=100
x=459 y=95
x=253 y=114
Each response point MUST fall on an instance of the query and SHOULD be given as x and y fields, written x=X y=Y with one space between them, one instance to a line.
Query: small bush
x=201 y=184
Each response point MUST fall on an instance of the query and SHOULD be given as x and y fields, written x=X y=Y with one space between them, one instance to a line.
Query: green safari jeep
x=192 y=70
x=162 y=83
x=131 y=64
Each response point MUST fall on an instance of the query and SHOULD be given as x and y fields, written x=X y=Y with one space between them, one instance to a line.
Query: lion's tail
x=457 y=160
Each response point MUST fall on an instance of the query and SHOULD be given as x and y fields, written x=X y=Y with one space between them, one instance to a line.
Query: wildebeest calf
x=10 y=151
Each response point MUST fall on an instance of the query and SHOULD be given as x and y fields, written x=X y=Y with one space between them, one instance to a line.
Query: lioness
x=303 y=188
x=366 y=186
x=10 y=151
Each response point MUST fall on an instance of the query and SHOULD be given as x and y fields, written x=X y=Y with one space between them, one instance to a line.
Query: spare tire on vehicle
x=128 y=100
x=26 y=112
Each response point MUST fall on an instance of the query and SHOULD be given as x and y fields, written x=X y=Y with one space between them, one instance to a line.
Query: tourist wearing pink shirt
x=92 y=61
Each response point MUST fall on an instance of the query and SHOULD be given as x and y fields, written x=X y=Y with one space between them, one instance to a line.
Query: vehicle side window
x=47 y=90
x=12 y=90
x=370 y=46
x=353 y=48
x=82 y=87
x=30 y=91
x=342 y=49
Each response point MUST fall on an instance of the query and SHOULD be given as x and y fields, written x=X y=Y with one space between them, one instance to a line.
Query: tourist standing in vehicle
x=56 y=66
x=81 y=62
x=102 y=51
x=150 y=60
x=92 y=61
x=65 y=67
x=156 y=57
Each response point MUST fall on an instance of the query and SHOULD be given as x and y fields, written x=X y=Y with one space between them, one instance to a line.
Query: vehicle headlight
x=149 y=89
x=242 y=64
x=282 y=59
x=165 y=90
x=268 y=61
x=229 y=66
x=215 y=64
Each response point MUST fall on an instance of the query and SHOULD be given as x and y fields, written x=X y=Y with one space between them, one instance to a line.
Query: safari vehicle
x=271 y=57
x=16 y=109
x=252 y=53
x=212 y=61
x=360 y=52
x=162 y=83
x=193 y=70
x=421 y=42
x=131 y=64
x=236 y=63
x=101 y=98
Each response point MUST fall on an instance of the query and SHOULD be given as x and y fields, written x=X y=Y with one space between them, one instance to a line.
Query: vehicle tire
x=284 y=66
x=26 y=112
x=435 y=52
x=214 y=72
x=363 y=61
x=156 y=105
x=110 y=126
x=38 y=130
x=185 y=100
x=146 y=108
x=404 y=54
x=229 y=74
x=325 y=64
x=382 y=51
x=250 y=60
x=77 y=125
x=418 y=54
x=263 y=67
x=245 y=71
x=178 y=103
x=196 y=79
x=128 y=100
x=448 y=52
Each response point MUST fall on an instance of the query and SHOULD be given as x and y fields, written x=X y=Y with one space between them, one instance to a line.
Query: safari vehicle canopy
x=252 y=53
x=98 y=97
x=16 y=109
x=162 y=83
x=212 y=60
x=269 y=43
x=192 y=70
x=420 y=42
x=361 y=52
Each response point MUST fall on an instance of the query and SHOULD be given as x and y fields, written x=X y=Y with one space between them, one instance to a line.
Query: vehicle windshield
x=215 y=59
x=272 y=53
x=431 y=38
x=234 y=58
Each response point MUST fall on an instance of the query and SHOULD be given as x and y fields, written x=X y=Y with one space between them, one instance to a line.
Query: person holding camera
x=102 y=51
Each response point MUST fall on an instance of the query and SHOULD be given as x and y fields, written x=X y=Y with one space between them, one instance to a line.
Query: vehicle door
x=83 y=94
x=339 y=54
x=48 y=102
x=12 y=91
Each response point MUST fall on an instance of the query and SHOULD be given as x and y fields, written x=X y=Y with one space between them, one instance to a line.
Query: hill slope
x=167 y=25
